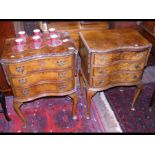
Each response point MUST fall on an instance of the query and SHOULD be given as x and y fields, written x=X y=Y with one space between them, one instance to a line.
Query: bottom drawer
x=117 y=78
x=44 y=88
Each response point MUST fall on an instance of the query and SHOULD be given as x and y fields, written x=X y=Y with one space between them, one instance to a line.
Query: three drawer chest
x=35 y=73
x=112 y=58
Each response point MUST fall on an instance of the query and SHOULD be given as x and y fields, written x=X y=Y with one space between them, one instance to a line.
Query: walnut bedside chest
x=35 y=73
x=112 y=58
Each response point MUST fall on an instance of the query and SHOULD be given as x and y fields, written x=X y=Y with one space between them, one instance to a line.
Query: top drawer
x=106 y=58
x=41 y=64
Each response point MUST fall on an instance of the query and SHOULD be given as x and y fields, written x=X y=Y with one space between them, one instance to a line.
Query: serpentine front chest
x=112 y=58
x=35 y=73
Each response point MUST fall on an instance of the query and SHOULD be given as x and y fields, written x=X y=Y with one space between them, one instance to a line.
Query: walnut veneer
x=112 y=58
x=49 y=71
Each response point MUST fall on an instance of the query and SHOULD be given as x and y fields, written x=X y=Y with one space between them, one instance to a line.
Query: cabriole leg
x=17 y=106
x=81 y=83
x=89 y=95
x=138 y=91
x=74 y=97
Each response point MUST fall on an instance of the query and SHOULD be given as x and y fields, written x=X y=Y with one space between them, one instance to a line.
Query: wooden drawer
x=126 y=66
x=43 y=89
x=117 y=78
x=41 y=64
x=41 y=77
x=106 y=58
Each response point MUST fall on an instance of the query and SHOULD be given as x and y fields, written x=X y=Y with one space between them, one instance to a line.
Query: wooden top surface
x=107 y=40
x=9 y=54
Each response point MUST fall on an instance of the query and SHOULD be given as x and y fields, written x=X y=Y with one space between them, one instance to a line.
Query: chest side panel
x=85 y=60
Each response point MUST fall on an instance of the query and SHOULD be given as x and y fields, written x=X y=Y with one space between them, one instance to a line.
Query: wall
x=6 y=31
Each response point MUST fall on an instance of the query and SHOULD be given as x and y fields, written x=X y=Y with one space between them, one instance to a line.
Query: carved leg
x=138 y=91
x=90 y=94
x=3 y=104
x=81 y=83
x=74 y=97
x=16 y=106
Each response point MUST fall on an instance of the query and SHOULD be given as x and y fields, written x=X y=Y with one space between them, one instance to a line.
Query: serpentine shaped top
x=113 y=40
x=9 y=55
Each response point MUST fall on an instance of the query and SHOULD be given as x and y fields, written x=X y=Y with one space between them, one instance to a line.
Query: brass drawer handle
x=135 y=77
x=22 y=80
x=61 y=62
x=141 y=54
x=25 y=92
x=61 y=75
x=20 y=69
x=137 y=66
x=100 y=82
x=102 y=58
x=100 y=71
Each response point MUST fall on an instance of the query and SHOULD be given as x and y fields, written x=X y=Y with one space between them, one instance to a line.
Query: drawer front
x=35 y=78
x=109 y=69
x=41 y=64
x=106 y=58
x=119 y=77
x=44 y=88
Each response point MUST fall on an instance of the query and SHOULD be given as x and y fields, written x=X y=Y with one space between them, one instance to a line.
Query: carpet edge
x=116 y=127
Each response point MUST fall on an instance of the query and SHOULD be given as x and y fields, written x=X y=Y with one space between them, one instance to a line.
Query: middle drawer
x=35 y=78
x=123 y=66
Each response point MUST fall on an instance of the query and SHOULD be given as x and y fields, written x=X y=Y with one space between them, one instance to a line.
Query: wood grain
x=35 y=73
x=111 y=58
